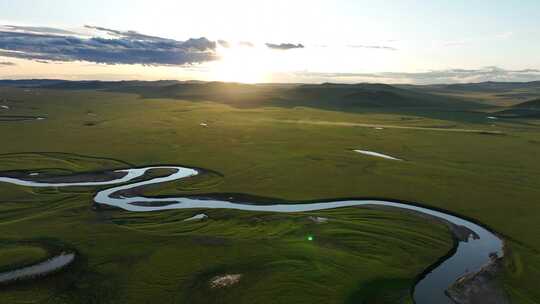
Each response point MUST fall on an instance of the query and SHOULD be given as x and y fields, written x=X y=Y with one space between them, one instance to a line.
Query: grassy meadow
x=484 y=169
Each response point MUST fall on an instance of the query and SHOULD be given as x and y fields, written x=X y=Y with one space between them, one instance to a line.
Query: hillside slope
x=327 y=95
x=528 y=109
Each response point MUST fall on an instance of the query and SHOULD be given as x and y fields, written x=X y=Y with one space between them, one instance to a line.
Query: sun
x=242 y=64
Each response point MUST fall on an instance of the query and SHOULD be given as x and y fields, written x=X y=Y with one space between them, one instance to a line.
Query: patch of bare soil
x=462 y=233
x=318 y=219
x=226 y=280
x=480 y=287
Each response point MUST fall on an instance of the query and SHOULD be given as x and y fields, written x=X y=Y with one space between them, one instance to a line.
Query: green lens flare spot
x=310 y=238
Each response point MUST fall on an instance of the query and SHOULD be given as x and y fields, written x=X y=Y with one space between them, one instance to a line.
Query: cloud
x=123 y=48
x=246 y=44
x=379 y=47
x=229 y=44
x=491 y=73
x=6 y=63
x=133 y=35
x=224 y=43
x=284 y=46
x=36 y=30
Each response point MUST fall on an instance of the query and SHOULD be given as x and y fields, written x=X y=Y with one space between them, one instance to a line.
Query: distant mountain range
x=489 y=86
x=491 y=93
x=326 y=95
x=331 y=96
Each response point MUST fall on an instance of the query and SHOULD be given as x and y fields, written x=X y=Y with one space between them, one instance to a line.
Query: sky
x=400 y=41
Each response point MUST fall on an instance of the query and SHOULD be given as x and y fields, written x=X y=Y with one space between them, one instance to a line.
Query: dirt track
x=364 y=125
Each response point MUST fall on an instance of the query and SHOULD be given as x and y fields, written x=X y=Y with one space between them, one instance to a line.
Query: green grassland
x=292 y=153
x=14 y=256
x=490 y=93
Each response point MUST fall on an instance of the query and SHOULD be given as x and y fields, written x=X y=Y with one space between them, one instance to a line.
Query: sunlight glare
x=242 y=64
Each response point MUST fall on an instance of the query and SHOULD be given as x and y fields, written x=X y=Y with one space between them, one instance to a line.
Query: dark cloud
x=491 y=73
x=284 y=46
x=200 y=44
x=224 y=43
x=6 y=63
x=133 y=35
x=125 y=48
x=379 y=47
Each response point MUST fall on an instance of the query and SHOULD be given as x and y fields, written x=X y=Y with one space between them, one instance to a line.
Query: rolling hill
x=489 y=93
x=527 y=109
x=531 y=104
x=326 y=96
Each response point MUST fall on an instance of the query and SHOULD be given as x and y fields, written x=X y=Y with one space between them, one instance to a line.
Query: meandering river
x=55 y=263
x=472 y=253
